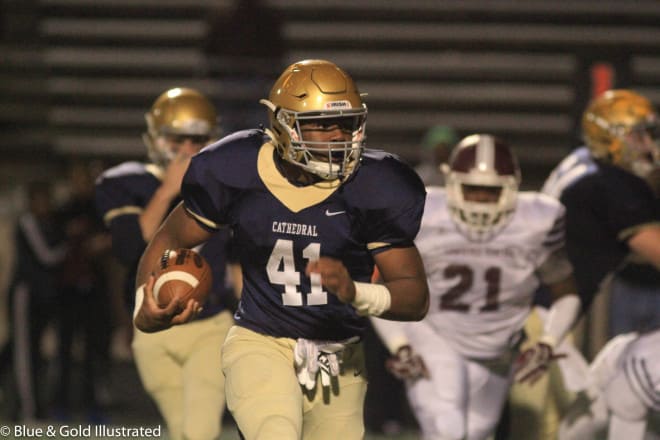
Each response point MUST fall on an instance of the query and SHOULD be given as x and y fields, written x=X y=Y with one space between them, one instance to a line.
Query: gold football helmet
x=317 y=92
x=620 y=127
x=177 y=114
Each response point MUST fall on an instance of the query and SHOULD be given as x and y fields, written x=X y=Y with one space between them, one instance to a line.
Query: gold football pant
x=268 y=403
x=181 y=370
x=536 y=410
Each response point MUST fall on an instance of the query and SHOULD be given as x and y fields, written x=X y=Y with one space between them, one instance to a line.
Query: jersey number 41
x=281 y=270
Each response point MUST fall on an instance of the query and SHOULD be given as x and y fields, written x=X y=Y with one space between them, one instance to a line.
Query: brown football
x=184 y=274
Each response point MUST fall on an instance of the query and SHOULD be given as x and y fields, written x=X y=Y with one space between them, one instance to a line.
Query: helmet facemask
x=162 y=143
x=334 y=159
x=636 y=148
x=481 y=220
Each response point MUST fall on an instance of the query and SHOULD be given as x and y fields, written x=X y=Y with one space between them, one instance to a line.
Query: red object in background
x=602 y=78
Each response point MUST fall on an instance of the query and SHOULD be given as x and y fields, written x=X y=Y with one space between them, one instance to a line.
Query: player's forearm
x=562 y=316
x=149 y=262
x=178 y=231
x=646 y=243
x=401 y=271
x=410 y=299
x=154 y=213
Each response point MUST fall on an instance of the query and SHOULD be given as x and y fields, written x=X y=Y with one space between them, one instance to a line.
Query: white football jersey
x=481 y=292
x=641 y=365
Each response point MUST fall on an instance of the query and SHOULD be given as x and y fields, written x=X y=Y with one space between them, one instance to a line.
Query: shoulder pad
x=124 y=169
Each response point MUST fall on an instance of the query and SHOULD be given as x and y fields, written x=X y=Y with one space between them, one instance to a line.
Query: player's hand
x=532 y=363
x=152 y=318
x=334 y=276
x=174 y=172
x=407 y=365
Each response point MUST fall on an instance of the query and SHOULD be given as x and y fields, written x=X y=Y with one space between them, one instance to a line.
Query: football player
x=611 y=211
x=623 y=389
x=179 y=368
x=486 y=248
x=311 y=212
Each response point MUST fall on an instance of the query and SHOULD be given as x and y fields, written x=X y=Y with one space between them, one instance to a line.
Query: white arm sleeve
x=392 y=333
x=561 y=317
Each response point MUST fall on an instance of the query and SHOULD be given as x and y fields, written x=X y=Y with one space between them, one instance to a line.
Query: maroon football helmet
x=481 y=160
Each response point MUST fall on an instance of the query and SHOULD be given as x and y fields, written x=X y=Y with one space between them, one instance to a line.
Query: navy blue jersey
x=604 y=208
x=122 y=193
x=279 y=227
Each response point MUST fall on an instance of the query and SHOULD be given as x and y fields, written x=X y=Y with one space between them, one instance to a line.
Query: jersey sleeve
x=116 y=205
x=205 y=195
x=556 y=265
x=217 y=175
x=621 y=200
x=394 y=198
x=555 y=238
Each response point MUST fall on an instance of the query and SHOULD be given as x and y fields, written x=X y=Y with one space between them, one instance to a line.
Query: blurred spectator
x=39 y=250
x=83 y=305
x=434 y=151
x=245 y=50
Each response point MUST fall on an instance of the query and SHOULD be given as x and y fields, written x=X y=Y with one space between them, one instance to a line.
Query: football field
x=130 y=415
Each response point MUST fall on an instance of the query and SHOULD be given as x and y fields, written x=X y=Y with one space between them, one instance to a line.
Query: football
x=184 y=274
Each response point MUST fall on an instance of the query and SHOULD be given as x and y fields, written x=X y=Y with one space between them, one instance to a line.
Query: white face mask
x=480 y=221
x=641 y=153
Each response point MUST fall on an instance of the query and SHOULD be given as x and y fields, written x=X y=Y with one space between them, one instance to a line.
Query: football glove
x=312 y=357
x=532 y=363
x=407 y=365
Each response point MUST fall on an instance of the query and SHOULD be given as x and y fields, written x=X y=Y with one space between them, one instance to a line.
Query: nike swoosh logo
x=331 y=213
